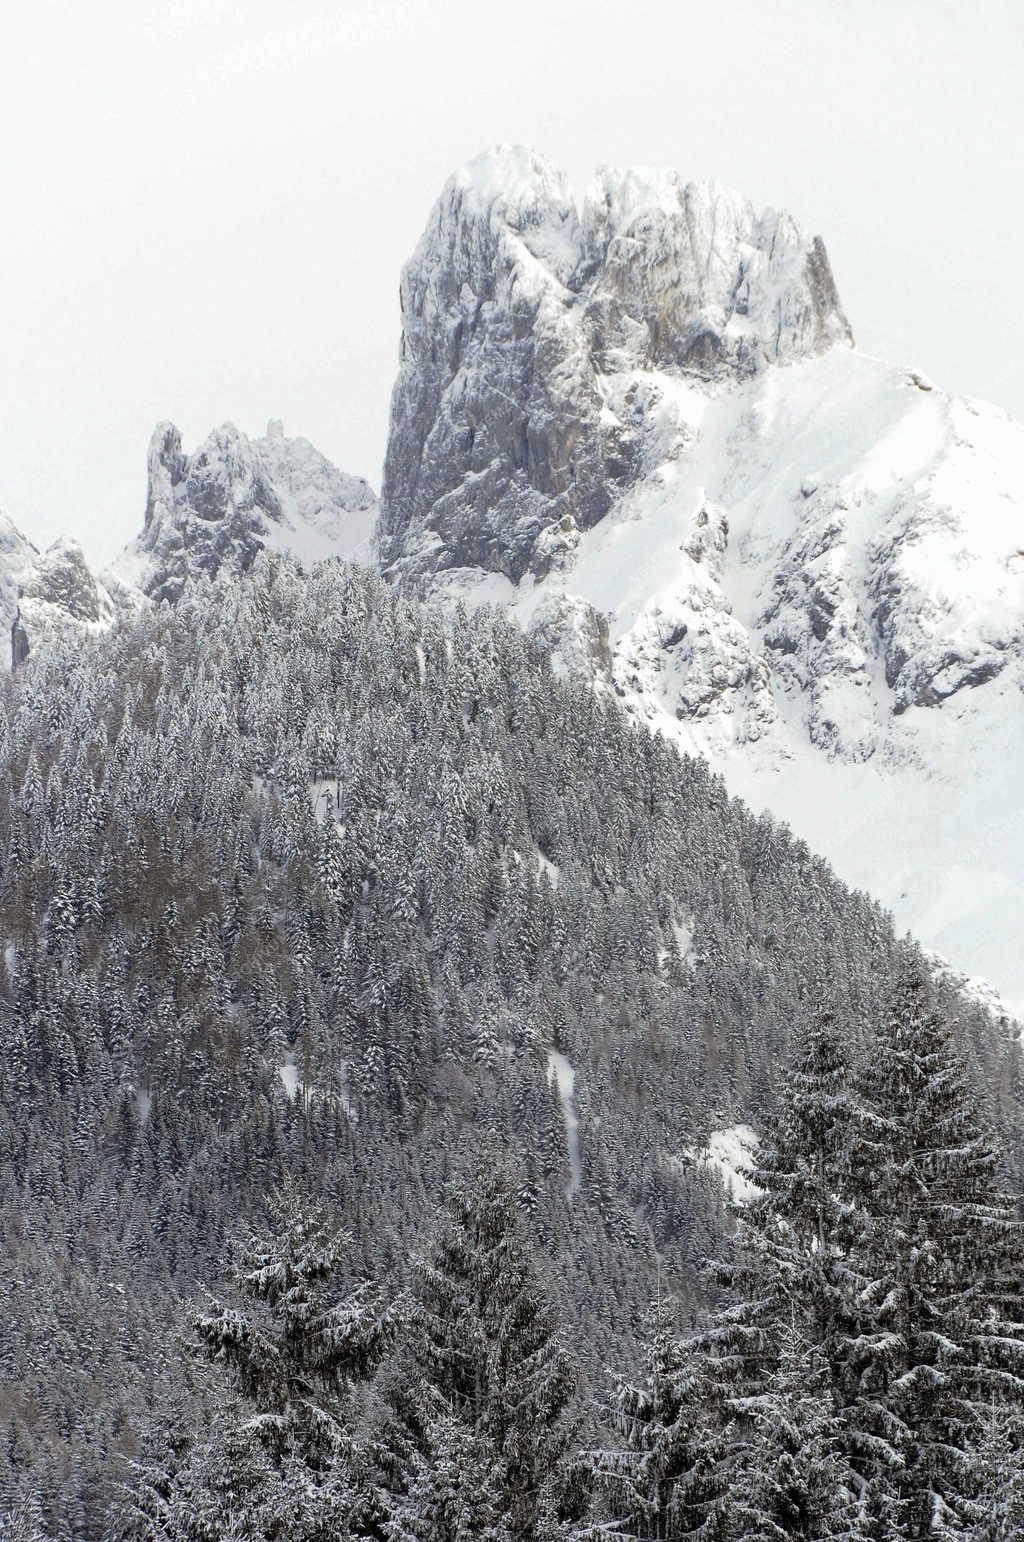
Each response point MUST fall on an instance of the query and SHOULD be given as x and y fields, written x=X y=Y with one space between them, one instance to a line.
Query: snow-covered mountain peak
x=48 y=595
x=718 y=285
x=531 y=327
x=216 y=508
x=513 y=181
x=640 y=423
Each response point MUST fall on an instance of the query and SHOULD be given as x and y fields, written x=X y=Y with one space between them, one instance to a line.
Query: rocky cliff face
x=640 y=424
x=217 y=508
x=60 y=597
x=46 y=596
x=531 y=328
x=17 y=556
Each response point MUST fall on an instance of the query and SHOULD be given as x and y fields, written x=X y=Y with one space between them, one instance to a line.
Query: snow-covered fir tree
x=791 y=1480
x=997 y=1514
x=878 y=1239
x=493 y=1384
x=292 y=1343
x=666 y=1477
x=937 y=1254
x=281 y=1459
x=451 y=1492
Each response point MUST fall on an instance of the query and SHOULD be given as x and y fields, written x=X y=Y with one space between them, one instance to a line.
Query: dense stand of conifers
x=301 y=884
x=860 y=1374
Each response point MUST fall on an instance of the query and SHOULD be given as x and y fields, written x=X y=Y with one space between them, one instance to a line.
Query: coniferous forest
x=373 y=1004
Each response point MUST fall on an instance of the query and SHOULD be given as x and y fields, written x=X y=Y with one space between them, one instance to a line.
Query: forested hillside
x=303 y=879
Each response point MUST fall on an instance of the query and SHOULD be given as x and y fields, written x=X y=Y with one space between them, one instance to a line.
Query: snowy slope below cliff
x=818 y=582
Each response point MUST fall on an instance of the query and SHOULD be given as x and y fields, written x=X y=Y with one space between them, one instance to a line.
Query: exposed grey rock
x=43 y=597
x=577 y=635
x=813 y=625
x=17 y=556
x=59 y=597
x=528 y=325
x=216 y=509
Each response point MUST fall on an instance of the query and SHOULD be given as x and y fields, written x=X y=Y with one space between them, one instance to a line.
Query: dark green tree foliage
x=293 y=1349
x=304 y=878
x=997 y=1514
x=791 y=1479
x=873 y=1318
x=451 y=1494
x=667 y=1477
x=282 y=1459
x=490 y=1415
x=938 y=1333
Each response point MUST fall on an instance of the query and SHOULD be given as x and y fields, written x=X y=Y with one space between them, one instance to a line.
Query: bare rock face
x=529 y=325
x=60 y=597
x=216 y=509
x=17 y=556
x=46 y=597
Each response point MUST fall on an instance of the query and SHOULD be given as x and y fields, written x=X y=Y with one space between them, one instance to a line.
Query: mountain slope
x=309 y=879
x=800 y=561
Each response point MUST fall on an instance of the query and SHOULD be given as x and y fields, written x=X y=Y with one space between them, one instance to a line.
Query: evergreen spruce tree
x=938 y=1335
x=787 y=1280
x=452 y=1493
x=997 y=1514
x=791 y=1479
x=493 y=1382
x=666 y=1479
x=795 y=1233
x=282 y=1458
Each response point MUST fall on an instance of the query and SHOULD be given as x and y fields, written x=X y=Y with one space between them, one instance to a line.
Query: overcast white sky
x=206 y=203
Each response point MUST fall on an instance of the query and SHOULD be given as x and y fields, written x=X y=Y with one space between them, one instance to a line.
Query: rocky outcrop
x=207 y=513
x=60 y=597
x=48 y=596
x=17 y=556
x=216 y=509
x=531 y=328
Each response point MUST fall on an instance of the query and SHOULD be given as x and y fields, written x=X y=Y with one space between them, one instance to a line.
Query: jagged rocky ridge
x=215 y=509
x=46 y=595
x=639 y=422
